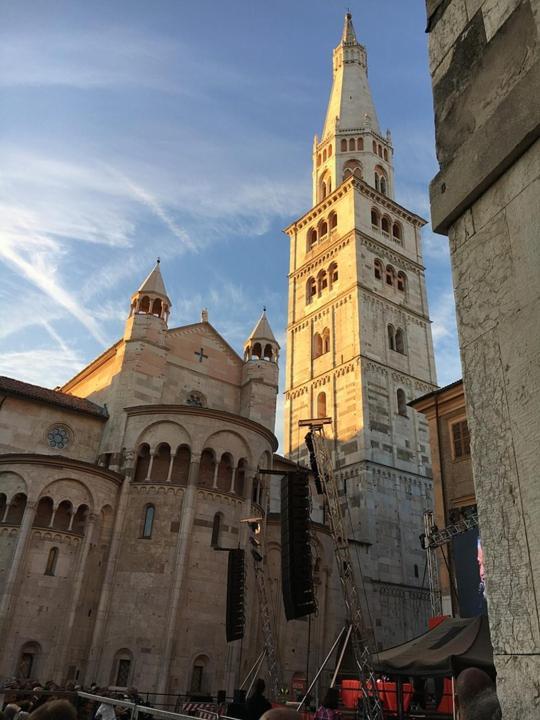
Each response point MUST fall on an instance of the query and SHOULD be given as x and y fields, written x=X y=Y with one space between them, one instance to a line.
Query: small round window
x=58 y=437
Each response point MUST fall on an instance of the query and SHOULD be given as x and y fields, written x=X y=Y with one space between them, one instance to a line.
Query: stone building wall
x=485 y=67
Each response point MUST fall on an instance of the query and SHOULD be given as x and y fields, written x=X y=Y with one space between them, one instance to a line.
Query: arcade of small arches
x=260 y=351
x=318 y=234
x=326 y=280
x=381 y=180
x=352 y=144
x=162 y=465
x=145 y=305
x=386 y=225
x=324 y=155
x=379 y=150
x=396 y=280
x=62 y=516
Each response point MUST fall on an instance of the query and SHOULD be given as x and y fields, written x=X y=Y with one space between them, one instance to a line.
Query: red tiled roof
x=53 y=397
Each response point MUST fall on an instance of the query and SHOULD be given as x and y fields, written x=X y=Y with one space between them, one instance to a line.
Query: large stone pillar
x=13 y=583
x=96 y=648
x=485 y=68
x=183 y=544
x=65 y=638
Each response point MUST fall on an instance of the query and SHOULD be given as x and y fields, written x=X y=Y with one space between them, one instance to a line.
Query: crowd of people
x=475 y=699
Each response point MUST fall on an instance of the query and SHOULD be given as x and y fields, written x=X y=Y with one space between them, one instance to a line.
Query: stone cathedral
x=120 y=491
x=359 y=344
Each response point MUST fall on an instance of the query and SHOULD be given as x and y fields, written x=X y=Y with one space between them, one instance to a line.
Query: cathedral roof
x=349 y=36
x=262 y=330
x=11 y=386
x=154 y=283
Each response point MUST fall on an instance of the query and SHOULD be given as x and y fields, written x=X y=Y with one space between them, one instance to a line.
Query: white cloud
x=48 y=368
x=445 y=339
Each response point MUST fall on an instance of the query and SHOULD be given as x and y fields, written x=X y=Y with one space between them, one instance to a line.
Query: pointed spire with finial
x=351 y=104
x=348 y=36
x=151 y=298
x=261 y=342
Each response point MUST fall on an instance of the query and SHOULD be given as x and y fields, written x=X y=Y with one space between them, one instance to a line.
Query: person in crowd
x=257 y=704
x=11 y=710
x=237 y=709
x=470 y=684
x=105 y=711
x=328 y=709
x=485 y=706
x=280 y=713
x=54 y=710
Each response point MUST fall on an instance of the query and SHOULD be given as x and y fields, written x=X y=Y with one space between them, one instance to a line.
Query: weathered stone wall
x=485 y=65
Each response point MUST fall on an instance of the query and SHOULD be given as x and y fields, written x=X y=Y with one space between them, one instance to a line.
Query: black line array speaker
x=236 y=580
x=296 y=560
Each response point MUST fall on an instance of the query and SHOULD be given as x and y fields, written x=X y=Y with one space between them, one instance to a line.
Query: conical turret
x=261 y=343
x=151 y=298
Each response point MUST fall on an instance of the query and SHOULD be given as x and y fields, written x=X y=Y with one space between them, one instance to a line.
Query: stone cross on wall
x=200 y=354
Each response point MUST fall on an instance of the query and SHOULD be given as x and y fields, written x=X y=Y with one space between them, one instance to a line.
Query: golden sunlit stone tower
x=359 y=344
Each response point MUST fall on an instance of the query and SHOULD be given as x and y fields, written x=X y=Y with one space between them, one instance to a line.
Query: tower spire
x=351 y=105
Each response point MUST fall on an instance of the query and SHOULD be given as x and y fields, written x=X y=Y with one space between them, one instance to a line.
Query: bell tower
x=359 y=344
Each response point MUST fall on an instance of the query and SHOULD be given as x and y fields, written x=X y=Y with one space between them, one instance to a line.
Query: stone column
x=78 y=579
x=183 y=544
x=233 y=479
x=216 y=469
x=171 y=464
x=13 y=582
x=150 y=464
x=96 y=648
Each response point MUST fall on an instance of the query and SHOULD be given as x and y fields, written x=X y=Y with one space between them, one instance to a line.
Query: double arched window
x=396 y=339
x=352 y=167
x=352 y=144
x=321 y=343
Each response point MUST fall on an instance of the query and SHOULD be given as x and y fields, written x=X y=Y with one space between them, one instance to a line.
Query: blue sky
x=132 y=129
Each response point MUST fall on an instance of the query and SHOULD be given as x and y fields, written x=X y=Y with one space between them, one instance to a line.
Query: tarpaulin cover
x=453 y=645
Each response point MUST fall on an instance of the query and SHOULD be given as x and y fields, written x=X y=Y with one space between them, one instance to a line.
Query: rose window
x=58 y=437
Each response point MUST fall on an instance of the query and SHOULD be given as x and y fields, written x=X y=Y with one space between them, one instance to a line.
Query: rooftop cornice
x=362 y=186
x=61 y=461
x=93 y=365
x=164 y=409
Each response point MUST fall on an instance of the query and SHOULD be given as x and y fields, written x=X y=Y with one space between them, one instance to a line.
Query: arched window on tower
x=311 y=238
x=360 y=143
x=256 y=351
x=375 y=218
x=330 y=150
x=322 y=281
x=391 y=337
x=333 y=274
x=145 y=305
x=268 y=352
x=216 y=530
x=344 y=145
x=386 y=154
x=390 y=275
x=400 y=341
x=352 y=167
x=401 y=403
x=383 y=185
x=325 y=341
x=52 y=559
x=332 y=220
x=385 y=225
x=352 y=144
x=317 y=345
x=396 y=231
x=324 y=155
x=378 y=269
x=148 y=521
x=323 y=229
x=321 y=405
x=311 y=290
x=156 y=307
x=401 y=281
